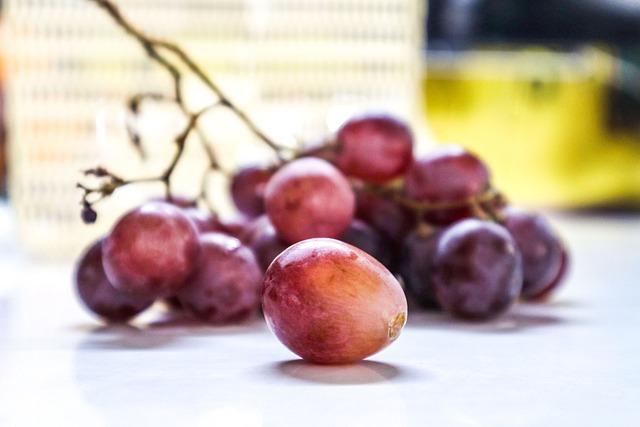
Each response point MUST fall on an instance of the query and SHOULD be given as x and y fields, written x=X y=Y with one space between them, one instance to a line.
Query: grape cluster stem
x=174 y=60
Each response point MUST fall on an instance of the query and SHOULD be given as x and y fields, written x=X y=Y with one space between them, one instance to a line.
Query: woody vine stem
x=176 y=62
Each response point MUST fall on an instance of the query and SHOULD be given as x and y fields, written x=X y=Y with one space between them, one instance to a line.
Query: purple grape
x=266 y=244
x=542 y=251
x=364 y=237
x=477 y=270
x=416 y=266
x=204 y=221
x=247 y=189
x=546 y=293
x=225 y=286
x=151 y=251
x=97 y=293
x=393 y=221
x=374 y=148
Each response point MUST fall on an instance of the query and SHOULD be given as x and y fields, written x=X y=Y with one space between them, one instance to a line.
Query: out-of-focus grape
x=392 y=220
x=364 y=237
x=266 y=244
x=226 y=283
x=416 y=266
x=477 y=270
x=309 y=198
x=151 y=251
x=330 y=302
x=247 y=189
x=542 y=251
x=374 y=148
x=447 y=175
x=97 y=293
x=546 y=293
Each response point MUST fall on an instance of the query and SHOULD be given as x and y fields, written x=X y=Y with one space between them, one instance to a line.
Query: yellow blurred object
x=539 y=118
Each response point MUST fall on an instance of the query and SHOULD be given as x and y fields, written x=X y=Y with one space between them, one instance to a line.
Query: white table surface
x=575 y=362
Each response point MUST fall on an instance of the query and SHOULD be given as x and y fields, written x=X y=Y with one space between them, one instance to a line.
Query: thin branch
x=153 y=45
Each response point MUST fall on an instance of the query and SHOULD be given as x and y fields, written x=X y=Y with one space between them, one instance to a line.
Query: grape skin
x=374 y=148
x=364 y=237
x=266 y=244
x=542 y=251
x=416 y=266
x=477 y=270
x=98 y=295
x=226 y=283
x=151 y=251
x=247 y=189
x=448 y=175
x=331 y=303
x=392 y=220
x=309 y=198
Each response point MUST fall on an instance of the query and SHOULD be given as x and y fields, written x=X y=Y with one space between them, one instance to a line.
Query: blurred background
x=547 y=91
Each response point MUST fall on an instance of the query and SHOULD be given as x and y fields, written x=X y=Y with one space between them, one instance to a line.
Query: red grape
x=97 y=293
x=364 y=237
x=375 y=148
x=247 y=189
x=542 y=251
x=204 y=221
x=477 y=270
x=267 y=245
x=225 y=286
x=448 y=175
x=330 y=302
x=309 y=198
x=388 y=217
x=151 y=251
x=416 y=266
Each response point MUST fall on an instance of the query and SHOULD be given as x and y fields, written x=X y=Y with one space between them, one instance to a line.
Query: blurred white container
x=299 y=67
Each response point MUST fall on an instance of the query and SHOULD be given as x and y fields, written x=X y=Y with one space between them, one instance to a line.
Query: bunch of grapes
x=322 y=241
x=325 y=238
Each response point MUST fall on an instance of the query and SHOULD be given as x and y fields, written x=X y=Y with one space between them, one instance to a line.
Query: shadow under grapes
x=517 y=320
x=365 y=372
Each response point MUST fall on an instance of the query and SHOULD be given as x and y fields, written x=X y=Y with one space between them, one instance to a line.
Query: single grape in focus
x=151 y=251
x=477 y=270
x=97 y=293
x=331 y=303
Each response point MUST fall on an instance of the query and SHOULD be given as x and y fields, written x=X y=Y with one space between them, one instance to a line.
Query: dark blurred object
x=460 y=23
